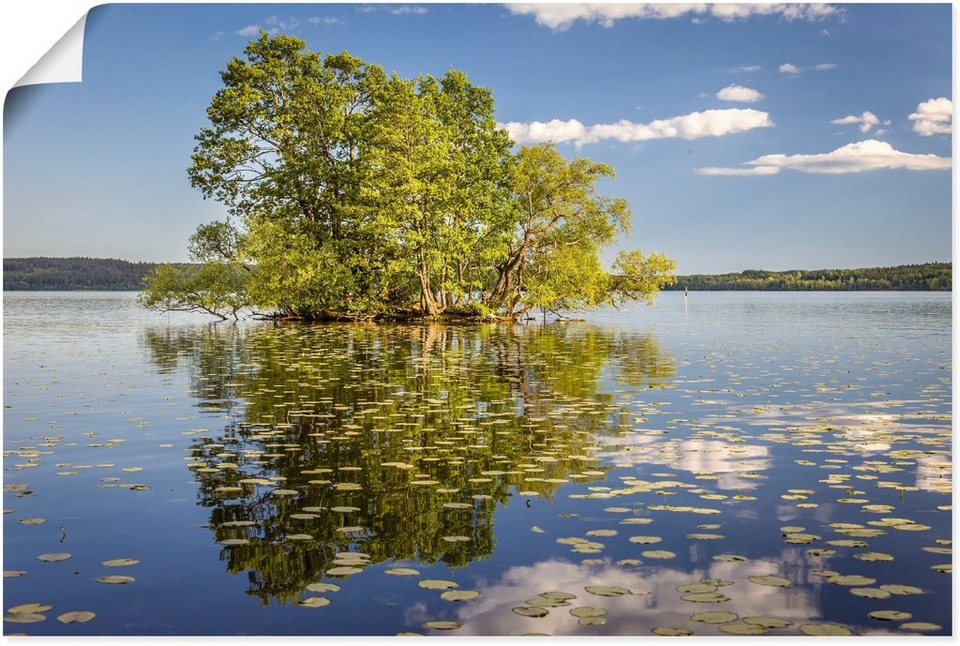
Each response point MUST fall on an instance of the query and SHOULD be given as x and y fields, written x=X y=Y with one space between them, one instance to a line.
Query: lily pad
x=116 y=579
x=825 y=630
x=558 y=595
x=323 y=587
x=438 y=584
x=714 y=617
x=768 y=622
x=889 y=615
x=730 y=558
x=645 y=540
x=531 y=611
x=459 y=595
x=705 y=597
x=896 y=588
x=314 y=602
x=120 y=562
x=771 y=581
x=231 y=542
x=602 y=532
x=53 y=558
x=29 y=608
x=671 y=631
x=606 y=590
x=658 y=554
x=688 y=588
x=24 y=618
x=442 y=625
x=76 y=617
x=852 y=580
x=592 y=621
x=743 y=629
x=870 y=593
x=920 y=627
x=401 y=571
x=587 y=611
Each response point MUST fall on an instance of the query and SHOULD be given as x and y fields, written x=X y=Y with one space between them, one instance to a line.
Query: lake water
x=739 y=463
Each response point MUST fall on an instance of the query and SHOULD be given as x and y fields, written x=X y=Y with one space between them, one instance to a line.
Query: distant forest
x=107 y=274
x=931 y=276
x=74 y=274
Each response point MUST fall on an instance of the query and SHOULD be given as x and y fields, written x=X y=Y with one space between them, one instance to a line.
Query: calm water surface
x=777 y=461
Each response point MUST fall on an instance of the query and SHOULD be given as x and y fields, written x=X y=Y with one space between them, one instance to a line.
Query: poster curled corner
x=63 y=63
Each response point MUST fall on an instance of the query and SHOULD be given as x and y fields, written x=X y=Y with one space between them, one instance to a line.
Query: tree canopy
x=354 y=193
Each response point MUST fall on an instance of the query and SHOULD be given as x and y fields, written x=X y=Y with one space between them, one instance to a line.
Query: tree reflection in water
x=397 y=442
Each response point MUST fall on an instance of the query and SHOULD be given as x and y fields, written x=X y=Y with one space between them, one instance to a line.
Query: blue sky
x=778 y=137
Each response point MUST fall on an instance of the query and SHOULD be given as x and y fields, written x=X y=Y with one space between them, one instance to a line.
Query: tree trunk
x=504 y=285
x=428 y=303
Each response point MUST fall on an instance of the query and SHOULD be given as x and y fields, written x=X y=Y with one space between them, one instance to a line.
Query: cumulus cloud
x=709 y=123
x=865 y=121
x=933 y=117
x=824 y=67
x=728 y=172
x=858 y=157
x=788 y=68
x=560 y=16
x=745 y=68
x=739 y=94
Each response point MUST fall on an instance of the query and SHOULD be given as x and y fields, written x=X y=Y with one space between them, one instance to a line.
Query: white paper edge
x=63 y=63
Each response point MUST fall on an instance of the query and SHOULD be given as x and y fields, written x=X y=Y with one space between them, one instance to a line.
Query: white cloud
x=561 y=16
x=327 y=20
x=790 y=68
x=858 y=157
x=933 y=116
x=709 y=123
x=419 y=11
x=285 y=24
x=865 y=121
x=538 y=132
x=755 y=170
x=253 y=30
x=745 y=68
x=739 y=94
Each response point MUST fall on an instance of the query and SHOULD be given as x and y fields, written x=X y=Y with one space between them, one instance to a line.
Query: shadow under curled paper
x=63 y=63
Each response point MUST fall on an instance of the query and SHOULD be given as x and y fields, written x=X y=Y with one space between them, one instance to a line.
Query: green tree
x=354 y=194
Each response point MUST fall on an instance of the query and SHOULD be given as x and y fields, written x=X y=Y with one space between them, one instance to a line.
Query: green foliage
x=295 y=273
x=566 y=278
x=358 y=194
x=217 y=288
x=932 y=276
x=561 y=224
x=640 y=277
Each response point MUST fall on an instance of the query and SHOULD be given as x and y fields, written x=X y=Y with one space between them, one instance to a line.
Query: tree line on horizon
x=110 y=274
x=931 y=276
